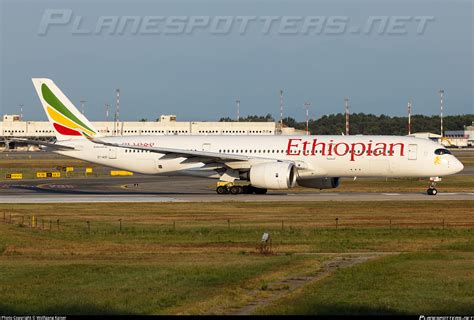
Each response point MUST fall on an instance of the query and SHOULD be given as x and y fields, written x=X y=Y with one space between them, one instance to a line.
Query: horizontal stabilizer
x=42 y=143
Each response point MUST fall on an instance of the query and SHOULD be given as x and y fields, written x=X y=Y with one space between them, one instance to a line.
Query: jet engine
x=273 y=175
x=319 y=183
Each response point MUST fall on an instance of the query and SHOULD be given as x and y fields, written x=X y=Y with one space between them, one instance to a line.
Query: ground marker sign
x=14 y=176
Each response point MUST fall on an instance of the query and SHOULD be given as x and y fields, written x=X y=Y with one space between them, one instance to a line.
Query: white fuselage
x=314 y=156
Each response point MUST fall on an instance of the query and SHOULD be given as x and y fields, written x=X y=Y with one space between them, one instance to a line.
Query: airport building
x=426 y=135
x=13 y=127
x=461 y=138
x=455 y=138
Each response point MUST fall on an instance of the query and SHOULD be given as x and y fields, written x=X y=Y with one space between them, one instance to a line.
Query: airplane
x=261 y=162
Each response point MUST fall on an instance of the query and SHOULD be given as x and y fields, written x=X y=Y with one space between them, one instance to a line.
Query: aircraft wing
x=42 y=143
x=191 y=155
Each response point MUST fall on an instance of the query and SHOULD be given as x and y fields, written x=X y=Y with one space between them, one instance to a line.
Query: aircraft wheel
x=260 y=191
x=432 y=191
x=236 y=190
x=247 y=189
x=222 y=190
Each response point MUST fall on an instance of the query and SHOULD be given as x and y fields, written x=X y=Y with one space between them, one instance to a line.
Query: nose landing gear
x=432 y=190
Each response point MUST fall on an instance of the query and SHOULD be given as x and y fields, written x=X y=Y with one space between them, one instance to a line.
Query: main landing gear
x=432 y=190
x=230 y=187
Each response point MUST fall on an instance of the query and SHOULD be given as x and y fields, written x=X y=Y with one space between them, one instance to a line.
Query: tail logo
x=64 y=121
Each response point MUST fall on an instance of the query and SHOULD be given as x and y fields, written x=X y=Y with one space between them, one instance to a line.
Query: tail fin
x=67 y=121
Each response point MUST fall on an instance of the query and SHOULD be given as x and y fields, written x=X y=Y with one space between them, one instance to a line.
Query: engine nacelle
x=319 y=183
x=273 y=175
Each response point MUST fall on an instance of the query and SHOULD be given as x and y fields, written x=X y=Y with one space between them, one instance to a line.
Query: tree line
x=361 y=123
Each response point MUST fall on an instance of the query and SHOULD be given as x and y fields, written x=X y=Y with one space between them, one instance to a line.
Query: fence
x=120 y=225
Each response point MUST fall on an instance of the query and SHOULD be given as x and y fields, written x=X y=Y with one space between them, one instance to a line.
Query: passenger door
x=412 y=151
x=206 y=147
x=112 y=153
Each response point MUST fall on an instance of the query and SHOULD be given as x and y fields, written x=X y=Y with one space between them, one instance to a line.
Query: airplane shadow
x=126 y=192
x=99 y=192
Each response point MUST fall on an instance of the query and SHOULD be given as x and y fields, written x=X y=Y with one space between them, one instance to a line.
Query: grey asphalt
x=136 y=198
x=177 y=189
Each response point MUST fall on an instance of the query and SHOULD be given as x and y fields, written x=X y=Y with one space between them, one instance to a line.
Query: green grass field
x=202 y=258
x=410 y=283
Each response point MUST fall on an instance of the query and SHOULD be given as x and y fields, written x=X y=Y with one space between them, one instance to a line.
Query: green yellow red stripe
x=55 y=103
x=59 y=118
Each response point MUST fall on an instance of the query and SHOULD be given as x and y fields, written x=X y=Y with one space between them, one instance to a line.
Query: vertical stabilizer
x=68 y=123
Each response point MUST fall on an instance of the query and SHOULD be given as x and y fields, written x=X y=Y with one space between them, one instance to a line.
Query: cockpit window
x=442 y=151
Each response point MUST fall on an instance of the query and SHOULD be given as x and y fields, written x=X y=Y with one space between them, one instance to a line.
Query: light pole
x=346 y=103
x=238 y=109
x=409 y=116
x=281 y=111
x=441 y=97
x=306 y=106
x=82 y=105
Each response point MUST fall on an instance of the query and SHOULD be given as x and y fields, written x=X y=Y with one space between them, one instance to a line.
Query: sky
x=194 y=60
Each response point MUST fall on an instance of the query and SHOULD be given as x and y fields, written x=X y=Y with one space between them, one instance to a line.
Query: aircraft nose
x=457 y=165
